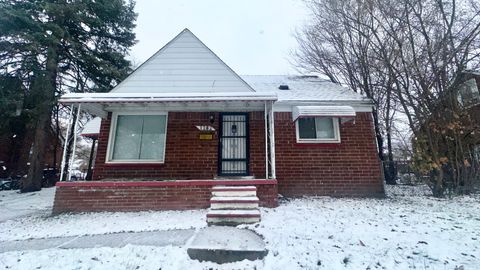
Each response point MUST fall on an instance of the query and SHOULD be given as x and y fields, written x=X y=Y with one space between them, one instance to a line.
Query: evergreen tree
x=55 y=46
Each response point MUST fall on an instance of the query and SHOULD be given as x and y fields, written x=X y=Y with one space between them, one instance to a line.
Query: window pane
x=127 y=137
x=324 y=127
x=153 y=144
x=306 y=128
x=139 y=137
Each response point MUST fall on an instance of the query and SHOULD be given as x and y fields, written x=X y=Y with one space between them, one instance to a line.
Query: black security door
x=233 y=149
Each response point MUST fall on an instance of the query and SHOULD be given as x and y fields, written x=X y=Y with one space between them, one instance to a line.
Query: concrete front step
x=232 y=217
x=233 y=188
x=234 y=191
x=226 y=245
x=250 y=202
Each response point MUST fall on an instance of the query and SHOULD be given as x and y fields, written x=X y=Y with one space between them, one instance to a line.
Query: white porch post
x=266 y=139
x=64 y=154
x=75 y=131
x=271 y=124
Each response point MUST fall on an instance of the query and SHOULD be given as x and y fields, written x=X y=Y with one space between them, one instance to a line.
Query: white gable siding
x=184 y=65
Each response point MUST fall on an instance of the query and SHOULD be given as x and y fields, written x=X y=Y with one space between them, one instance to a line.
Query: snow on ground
x=129 y=257
x=99 y=223
x=28 y=215
x=405 y=231
x=400 y=232
x=14 y=204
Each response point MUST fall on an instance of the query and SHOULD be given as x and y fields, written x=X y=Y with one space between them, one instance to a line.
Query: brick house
x=184 y=123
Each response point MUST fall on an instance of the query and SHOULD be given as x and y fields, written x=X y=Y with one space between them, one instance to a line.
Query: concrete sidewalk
x=152 y=238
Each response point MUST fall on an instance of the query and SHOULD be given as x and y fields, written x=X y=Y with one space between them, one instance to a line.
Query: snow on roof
x=304 y=88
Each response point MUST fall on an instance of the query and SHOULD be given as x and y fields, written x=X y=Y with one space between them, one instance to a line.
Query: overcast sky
x=251 y=36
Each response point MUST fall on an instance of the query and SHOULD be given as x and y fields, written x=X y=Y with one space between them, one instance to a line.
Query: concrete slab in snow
x=153 y=238
x=226 y=244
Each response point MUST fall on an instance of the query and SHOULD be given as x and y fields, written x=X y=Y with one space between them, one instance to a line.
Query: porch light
x=211 y=118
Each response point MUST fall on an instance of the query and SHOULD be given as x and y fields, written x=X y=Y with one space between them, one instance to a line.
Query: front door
x=233 y=152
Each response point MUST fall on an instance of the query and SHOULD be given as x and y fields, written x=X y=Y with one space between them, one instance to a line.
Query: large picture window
x=318 y=130
x=138 y=138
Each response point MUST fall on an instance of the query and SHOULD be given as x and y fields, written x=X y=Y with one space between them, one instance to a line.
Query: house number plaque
x=206 y=136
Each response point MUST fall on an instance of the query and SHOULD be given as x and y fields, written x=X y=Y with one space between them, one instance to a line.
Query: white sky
x=252 y=37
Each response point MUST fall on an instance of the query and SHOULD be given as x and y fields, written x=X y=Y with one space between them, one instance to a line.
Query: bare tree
x=339 y=43
x=409 y=57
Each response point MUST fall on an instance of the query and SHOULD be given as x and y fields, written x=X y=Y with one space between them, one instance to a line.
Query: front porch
x=171 y=151
x=97 y=196
x=179 y=137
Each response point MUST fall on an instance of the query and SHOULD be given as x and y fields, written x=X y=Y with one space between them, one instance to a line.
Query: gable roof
x=183 y=65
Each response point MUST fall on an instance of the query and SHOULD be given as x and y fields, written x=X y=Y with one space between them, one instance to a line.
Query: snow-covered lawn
x=99 y=223
x=14 y=204
x=405 y=231
x=396 y=233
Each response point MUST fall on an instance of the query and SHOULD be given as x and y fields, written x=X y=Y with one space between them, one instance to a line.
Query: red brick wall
x=351 y=168
x=141 y=196
x=186 y=156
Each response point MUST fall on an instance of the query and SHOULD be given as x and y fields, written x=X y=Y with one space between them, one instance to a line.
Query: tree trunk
x=43 y=90
x=438 y=189
x=33 y=181
x=391 y=174
x=378 y=135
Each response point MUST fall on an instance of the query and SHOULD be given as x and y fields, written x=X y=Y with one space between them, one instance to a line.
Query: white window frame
x=113 y=130
x=336 y=132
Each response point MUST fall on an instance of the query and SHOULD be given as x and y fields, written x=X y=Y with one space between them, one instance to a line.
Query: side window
x=318 y=130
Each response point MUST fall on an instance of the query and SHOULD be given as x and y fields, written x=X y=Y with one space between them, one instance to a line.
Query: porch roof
x=100 y=104
x=113 y=97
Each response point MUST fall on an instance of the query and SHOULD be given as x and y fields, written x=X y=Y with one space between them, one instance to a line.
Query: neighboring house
x=468 y=95
x=453 y=128
x=184 y=122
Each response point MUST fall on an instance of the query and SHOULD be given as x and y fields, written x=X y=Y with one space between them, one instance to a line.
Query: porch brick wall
x=83 y=198
x=351 y=168
x=186 y=156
